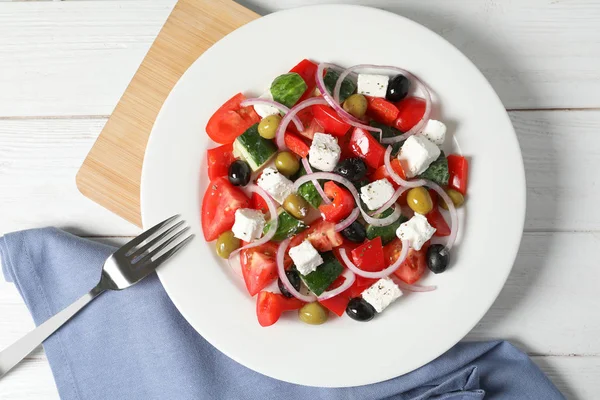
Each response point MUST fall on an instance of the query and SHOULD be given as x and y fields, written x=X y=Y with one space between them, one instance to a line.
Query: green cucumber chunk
x=387 y=132
x=287 y=226
x=255 y=149
x=307 y=190
x=318 y=281
x=346 y=90
x=437 y=171
x=288 y=88
x=387 y=233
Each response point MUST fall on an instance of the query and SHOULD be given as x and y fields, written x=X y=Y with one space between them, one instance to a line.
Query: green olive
x=356 y=105
x=419 y=200
x=296 y=206
x=267 y=127
x=226 y=244
x=457 y=198
x=287 y=163
x=313 y=314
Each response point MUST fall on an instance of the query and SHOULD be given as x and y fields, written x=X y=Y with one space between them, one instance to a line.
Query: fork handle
x=13 y=354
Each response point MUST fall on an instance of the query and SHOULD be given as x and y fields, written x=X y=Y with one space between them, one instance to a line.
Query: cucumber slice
x=307 y=190
x=253 y=148
x=438 y=171
x=348 y=87
x=287 y=226
x=387 y=132
x=387 y=233
x=318 y=281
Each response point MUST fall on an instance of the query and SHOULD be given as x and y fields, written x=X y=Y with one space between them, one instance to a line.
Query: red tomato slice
x=270 y=306
x=259 y=267
x=362 y=144
x=231 y=120
x=341 y=206
x=308 y=72
x=219 y=159
x=410 y=112
x=413 y=267
x=360 y=284
x=338 y=303
x=296 y=144
x=381 y=172
x=458 y=167
x=219 y=205
x=330 y=120
x=369 y=256
x=321 y=235
x=258 y=203
x=381 y=110
x=436 y=220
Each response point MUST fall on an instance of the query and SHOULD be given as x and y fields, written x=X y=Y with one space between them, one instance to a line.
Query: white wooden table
x=64 y=65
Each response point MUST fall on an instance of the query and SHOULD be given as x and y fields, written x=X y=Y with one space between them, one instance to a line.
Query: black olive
x=353 y=169
x=294 y=279
x=356 y=232
x=438 y=257
x=239 y=173
x=397 y=88
x=359 y=310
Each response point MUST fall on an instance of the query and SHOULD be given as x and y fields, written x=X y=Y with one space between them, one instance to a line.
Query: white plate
x=418 y=327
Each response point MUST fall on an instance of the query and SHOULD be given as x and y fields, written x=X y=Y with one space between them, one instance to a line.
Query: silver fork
x=124 y=268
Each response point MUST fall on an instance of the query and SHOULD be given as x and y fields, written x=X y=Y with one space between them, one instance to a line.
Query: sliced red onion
x=340 y=226
x=273 y=103
x=395 y=176
x=419 y=85
x=336 y=178
x=273 y=222
x=451 y=209
x=413 y=288
x=392 y=200
x=284 y=279
x=350 y=278
x=376 y=275
x=280 y=135
x=308 y=170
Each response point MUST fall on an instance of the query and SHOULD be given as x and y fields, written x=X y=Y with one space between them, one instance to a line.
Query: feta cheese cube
x=277 y=185
x=324 y=152
x=249 y=224
x=381 y=294
x=416 y=154
x=377 y=193
x=373 y=85
x=416 y=231
x=435 y=131
x=264 y=110
x=305 y=258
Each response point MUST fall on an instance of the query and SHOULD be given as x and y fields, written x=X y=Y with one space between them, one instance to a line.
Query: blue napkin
x=134 y=344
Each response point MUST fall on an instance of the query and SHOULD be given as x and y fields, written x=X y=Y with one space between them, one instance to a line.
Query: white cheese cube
x=277 y=185
x=381 y=294
x=416 y=154
x=435 y=131
x=377 y=193
x=264 y=110
x=324 y=152
x=305 y=258
x=249 y=224
x=416 y=231
x=373 y=85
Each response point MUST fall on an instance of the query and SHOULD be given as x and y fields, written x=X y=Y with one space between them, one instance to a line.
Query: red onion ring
x=376 y=275
x=272 y=103
x=284 y=279
x=392 y=199
x=413 y=288
x=272 y=229
x=280 y=135
x=395 y=176
x=419 y=85
x=340 y=226
x=451 y=209
x=336 y=178
x=350 y=278
x=308 y=170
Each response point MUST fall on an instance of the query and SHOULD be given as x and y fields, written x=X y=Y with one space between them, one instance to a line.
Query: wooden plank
x=111 y=173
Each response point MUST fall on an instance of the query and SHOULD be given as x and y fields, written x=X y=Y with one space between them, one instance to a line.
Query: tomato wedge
x=308 y=72
x=413 y=267
x=381 y=110
x=369 y=255
x=342 y=203
x=321 y=235
x=259 y=267
x=410 y=112
x=219 y=205
x=458 y=167
x=330 y=120
x=270 y=306
x=435 y=217
x=231 y=120
x=219 y=159
x=258 y=203
x=381 y=172
x=360 y=284
x=362 y=144
x=338 y=303
x=296 y=144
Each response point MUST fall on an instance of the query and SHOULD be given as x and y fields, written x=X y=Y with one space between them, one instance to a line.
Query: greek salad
x=333 y=184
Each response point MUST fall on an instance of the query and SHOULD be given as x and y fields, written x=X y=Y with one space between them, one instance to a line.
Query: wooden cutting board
x=111 y=172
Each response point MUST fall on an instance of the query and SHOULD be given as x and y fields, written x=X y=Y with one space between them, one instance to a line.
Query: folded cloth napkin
x=134 y=344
